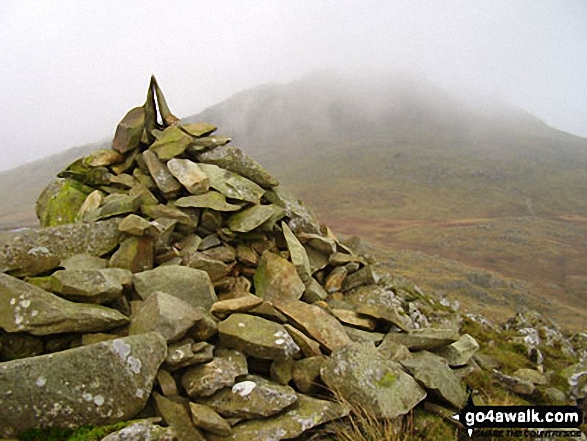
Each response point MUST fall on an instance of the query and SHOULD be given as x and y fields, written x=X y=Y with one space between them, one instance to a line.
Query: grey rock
x=301 y=218
x=187 y=353
x=176 y=412
x=52 y=390
x=433 y=372
x=189 y=175
x=26 y=308
x=252 y=397
x=171 y=142
x=555 y=396
x=166 y=182
x=253 y=217
x=460 y=352
x=309 y=347
x=190 y=285
x=531 y=375
x=365 y=276
x=212 y=199
x=92 y=285
x=166 y=314
x=232 y=185
x=364 y=378
x=135 y=254
x=307 y=413
x=33 y=251
x=205 y=379
x=235 y=160
x=276 y=279
x=141 y=431
x=206 y=418
x=317 y=323
x=297 y=253
x=380 y=303
x=514 y=384
x=424 y=339
x=117 y=204
x=135 y=225
x=361 y=336
x=257 y=337
x=83 y=261
x=216 y=269
x=306 y=374
x=198 y=129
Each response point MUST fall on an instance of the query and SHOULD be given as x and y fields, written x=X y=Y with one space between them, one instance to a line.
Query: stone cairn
x=174 y=281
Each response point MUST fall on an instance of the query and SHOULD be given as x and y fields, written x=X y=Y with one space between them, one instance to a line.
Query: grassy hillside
x=464 y=188
x=406 y=166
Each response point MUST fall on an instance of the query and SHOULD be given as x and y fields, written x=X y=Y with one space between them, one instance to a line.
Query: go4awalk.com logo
x=520 y=421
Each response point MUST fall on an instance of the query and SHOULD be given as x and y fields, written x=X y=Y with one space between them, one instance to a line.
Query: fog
x=69 y=70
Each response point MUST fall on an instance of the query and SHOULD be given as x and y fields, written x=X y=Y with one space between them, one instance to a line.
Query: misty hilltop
x=333 y=104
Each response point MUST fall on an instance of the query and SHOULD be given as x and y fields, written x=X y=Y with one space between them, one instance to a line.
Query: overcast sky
x=69 y=70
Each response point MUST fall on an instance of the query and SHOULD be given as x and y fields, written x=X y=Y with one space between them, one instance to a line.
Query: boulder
x=252 y=397
x=168 y=315
x=32 y=251
x=191 y=285
x=307 y=413
x=277 y=280
x=94 y=385
x=26 y=308
x=317 y=323
x=257 y=336
x=433 y=373
x=361 y=376
x=141 y=431
x=205 y=379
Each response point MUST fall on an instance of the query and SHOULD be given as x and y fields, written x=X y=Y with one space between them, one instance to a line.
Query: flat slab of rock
x=301 y=218
x=515 y=384
x=257 y=336
x=232 y=185
x=316 y=322
x=253 y=397
x=379 y=303
x=165 y=314
x=95 y=385
x=32 y=251
x=191 y=285
x=460 y=352
x=307 y=413
x=253 y=217
x=424 y=338
x=189 y=174
x=364 y=378
x=176 y=412
x=141 y=431
x=206 y=418
x=212 y=199
x=235 y=160
x=91 y=285
x=27 y=308
x=277 y=280
x=433 y=372
x=205 y=379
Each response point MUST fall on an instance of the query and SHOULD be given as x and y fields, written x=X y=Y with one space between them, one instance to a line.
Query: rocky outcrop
x=174 y=267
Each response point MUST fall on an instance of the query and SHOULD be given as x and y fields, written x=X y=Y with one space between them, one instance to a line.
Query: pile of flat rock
x=175 y=282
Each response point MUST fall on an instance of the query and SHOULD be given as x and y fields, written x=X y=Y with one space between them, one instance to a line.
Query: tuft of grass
x=362 y=424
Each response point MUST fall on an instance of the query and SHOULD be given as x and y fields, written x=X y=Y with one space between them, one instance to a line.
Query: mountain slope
x=408 y=166
x=402 y=163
